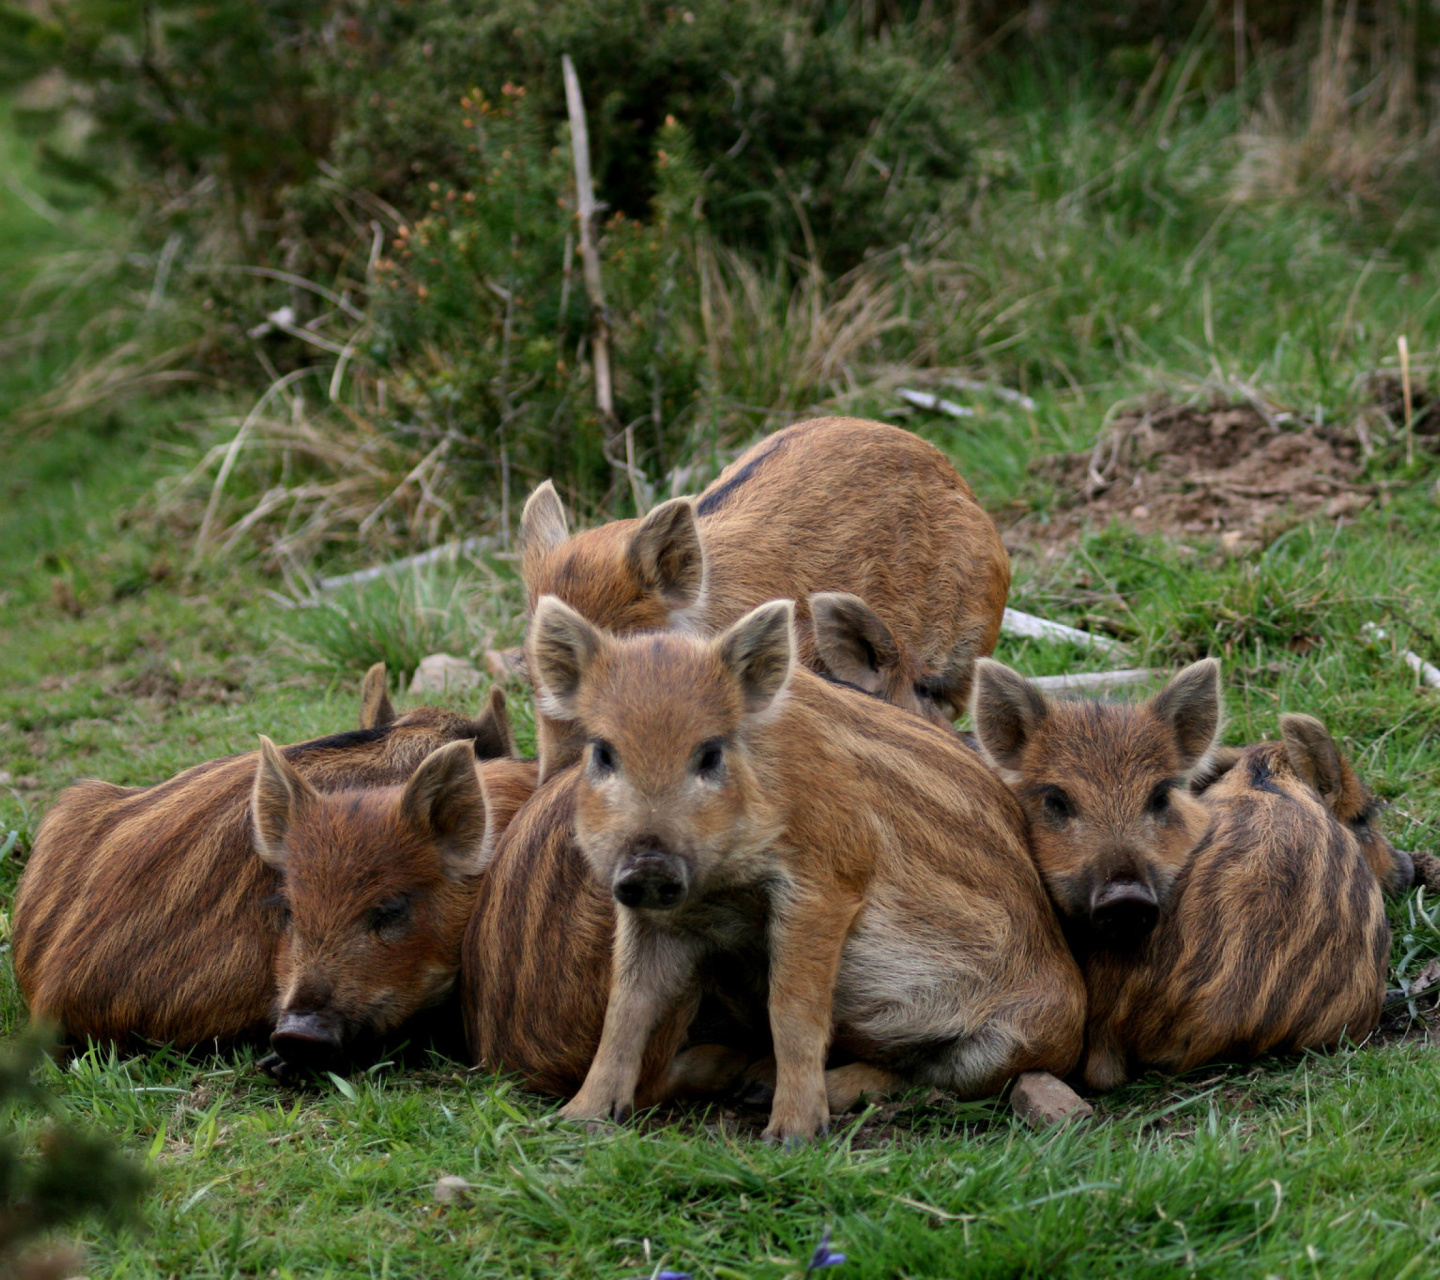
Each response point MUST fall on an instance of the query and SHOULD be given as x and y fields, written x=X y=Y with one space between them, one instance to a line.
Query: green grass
x=114 y=663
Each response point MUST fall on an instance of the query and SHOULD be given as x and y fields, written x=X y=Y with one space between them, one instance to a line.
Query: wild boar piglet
x=144 y=913
x=1219 y=926
x=777 y=837
x=830 y=505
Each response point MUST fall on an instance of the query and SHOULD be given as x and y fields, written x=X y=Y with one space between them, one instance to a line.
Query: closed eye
x=278 y=902
x=389 y=916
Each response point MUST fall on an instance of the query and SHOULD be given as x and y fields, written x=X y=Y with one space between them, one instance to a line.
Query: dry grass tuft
x=1362 y=127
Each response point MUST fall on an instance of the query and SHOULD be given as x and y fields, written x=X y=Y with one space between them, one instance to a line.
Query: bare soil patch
x=1236 y=472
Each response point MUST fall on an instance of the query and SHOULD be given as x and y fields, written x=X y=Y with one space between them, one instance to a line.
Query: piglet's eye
x=390 y=915
x=1158 y=805
x=278 y=904
x=602 y=756
x=710 y=759
x=1057 y=805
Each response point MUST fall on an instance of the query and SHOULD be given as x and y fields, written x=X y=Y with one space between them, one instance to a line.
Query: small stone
x=1141 y=512
x=444 y=673
x=451 y=1189
x=1041 y=1100
x=1236 y=542
x=505 y=664
x=1346 y=504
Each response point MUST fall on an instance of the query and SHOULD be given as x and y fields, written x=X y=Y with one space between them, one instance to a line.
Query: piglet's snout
x=651 y=880
x=1124 y=910
x=310 y=1039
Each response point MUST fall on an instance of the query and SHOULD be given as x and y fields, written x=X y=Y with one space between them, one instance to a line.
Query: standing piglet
x=144 y=912
x=762 y=830
x=830 y=505
x=535 y=971
x=1242 y=921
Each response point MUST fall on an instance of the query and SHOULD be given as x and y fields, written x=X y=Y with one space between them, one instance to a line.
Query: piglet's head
x=376 y=888
x=669 y=806
x=1102 y=785
x=628 y=575
x=1316 y=760
x=857 y=648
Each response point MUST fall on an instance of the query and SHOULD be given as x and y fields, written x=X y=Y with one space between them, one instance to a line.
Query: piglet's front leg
x=652 y=975
x=806 y=939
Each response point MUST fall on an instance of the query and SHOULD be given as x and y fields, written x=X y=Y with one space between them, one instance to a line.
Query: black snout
x=1124 y=910
x=652 y=881
x=307 y=1040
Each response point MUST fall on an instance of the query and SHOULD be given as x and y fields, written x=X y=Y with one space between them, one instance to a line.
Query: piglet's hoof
x=1041 y=1100
x=274 y=1066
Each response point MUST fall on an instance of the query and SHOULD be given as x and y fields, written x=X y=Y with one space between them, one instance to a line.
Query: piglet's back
x=535 y=966
x=954 y=858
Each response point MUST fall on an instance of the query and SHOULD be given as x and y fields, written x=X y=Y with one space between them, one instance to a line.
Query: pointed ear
x=759 y=650
x=494 y=736
x=852 y=641
x=1313 y=754
x=1006 y=709
x=561 y=644
x=376 y=710
x=665 y=554
x=279 y=796
x=543 y=524
x=444 y=802
x=1190 y=707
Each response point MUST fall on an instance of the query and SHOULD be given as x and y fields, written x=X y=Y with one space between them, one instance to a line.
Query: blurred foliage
x=55 y=1178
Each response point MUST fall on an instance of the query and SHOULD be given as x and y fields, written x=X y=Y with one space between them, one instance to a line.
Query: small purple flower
x=672 y=1275
x=823 y=1255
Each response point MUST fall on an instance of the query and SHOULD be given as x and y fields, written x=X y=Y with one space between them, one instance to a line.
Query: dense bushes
x=791 y=192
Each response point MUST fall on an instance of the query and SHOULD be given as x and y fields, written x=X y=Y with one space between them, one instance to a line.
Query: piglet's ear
x=493 y=736
x=666 y=556
x=444 y=803
x=759 y=650
x=852 y=641
x=279 y=797
x=1313 y=754
x=376 y=709
x=558 y=649
x=1006 y=710
x=1190 y=707
x=543 y=523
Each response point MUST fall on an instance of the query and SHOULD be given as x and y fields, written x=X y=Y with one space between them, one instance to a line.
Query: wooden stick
x=589 y=253
x=1409 y=404
x=1015 y=623
x=1429 y=675
x=1099 y=680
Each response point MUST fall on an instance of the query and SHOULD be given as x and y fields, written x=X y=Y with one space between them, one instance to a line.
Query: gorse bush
x=490 y=278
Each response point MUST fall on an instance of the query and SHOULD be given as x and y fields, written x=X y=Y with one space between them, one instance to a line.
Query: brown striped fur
x=1268 y=932
x=748 y=816
x=1331 y=774
x=144 y=912
x=832 y=505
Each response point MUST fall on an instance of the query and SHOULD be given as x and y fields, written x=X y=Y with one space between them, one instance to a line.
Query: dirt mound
x=1229 y=471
